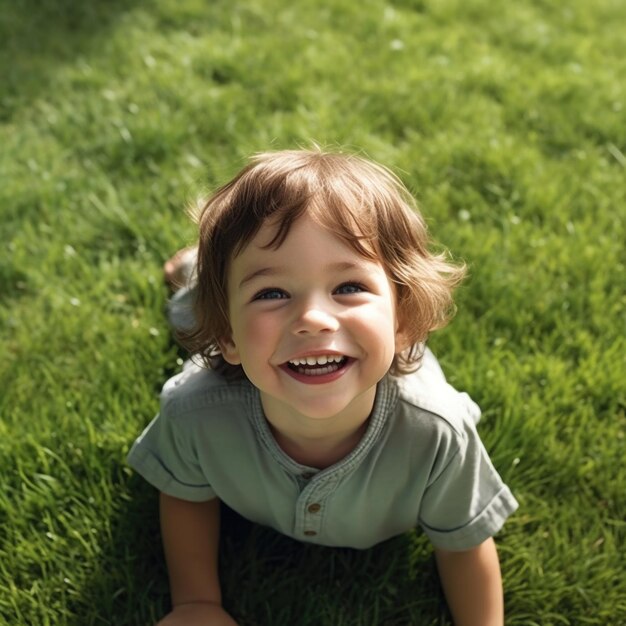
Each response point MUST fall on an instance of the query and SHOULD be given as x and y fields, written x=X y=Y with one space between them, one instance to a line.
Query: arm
x=472 y=584
x=190 y=533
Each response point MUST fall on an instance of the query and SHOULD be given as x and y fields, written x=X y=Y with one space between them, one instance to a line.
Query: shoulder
x=197 y=388
x=428 y=400
x=429 y=425
x=437 y=421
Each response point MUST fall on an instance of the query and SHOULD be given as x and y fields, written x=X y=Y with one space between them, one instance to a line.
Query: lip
x=318 y=379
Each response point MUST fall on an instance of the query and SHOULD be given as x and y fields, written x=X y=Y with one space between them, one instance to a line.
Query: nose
x=314 y=318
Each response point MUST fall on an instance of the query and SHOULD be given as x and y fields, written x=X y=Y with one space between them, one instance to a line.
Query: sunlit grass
x=505 y=119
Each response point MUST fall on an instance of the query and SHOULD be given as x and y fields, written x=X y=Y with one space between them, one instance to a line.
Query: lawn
x=507 y=122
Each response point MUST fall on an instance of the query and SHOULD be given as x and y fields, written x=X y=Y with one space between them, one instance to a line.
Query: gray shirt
x=419 y=463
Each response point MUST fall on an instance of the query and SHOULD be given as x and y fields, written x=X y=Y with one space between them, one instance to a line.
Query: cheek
x=378 y=324
x=253 y=331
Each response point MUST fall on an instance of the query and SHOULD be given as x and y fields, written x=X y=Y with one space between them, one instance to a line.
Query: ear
x=229 y=351
x=403 y=342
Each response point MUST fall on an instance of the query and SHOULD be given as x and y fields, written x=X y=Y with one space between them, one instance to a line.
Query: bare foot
x=178 y=270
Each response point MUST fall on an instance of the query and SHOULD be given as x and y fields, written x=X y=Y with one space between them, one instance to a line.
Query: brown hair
x=361 y=202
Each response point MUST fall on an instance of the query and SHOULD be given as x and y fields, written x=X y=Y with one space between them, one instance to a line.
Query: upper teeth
x=317 y=360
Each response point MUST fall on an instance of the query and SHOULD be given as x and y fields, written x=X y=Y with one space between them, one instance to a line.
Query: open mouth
x=318 y=365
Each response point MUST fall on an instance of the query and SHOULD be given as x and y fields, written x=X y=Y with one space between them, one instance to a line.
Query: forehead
x=276 y=237
x=307 y=247
x=340 y=225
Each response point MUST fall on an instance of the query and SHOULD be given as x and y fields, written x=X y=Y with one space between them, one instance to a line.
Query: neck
x=318 y=441
x=321 y=452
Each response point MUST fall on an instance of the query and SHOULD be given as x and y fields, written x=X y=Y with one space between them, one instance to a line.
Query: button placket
x=310 y=508
x=304 y=480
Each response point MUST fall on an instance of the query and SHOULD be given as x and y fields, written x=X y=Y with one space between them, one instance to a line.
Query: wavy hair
x=361 y=202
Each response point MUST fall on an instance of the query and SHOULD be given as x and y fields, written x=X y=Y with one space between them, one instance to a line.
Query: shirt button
x=310 y=533
x=314 y=508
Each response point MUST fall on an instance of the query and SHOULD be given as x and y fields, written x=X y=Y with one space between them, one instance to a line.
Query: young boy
x=320 y=413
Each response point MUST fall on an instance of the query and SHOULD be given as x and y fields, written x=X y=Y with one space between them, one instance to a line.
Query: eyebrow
x=340 y=266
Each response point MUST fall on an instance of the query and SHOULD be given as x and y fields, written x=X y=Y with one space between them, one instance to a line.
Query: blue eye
x=349 y=288
x=270 y=294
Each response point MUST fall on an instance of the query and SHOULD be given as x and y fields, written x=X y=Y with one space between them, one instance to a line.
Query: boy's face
x=313 y=323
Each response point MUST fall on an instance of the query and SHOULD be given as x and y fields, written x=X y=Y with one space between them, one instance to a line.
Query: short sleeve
x=165 y=455
x=466 y=502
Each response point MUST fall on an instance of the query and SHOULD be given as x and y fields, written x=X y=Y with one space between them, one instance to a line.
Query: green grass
x=505 y=119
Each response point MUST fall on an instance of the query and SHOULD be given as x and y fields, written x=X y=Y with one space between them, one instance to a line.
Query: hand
x=198 y=614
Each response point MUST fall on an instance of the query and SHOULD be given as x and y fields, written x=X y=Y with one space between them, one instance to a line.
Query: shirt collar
x=384 y=403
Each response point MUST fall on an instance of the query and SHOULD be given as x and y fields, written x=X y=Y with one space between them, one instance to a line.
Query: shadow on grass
x=267 y=579
x=128 y=585
x=39 y=35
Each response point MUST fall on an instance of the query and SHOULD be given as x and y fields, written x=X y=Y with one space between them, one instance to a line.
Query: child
x=320 y=413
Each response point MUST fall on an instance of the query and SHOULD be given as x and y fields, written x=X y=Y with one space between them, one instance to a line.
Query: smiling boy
x=314 y=328
x=320 y=414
